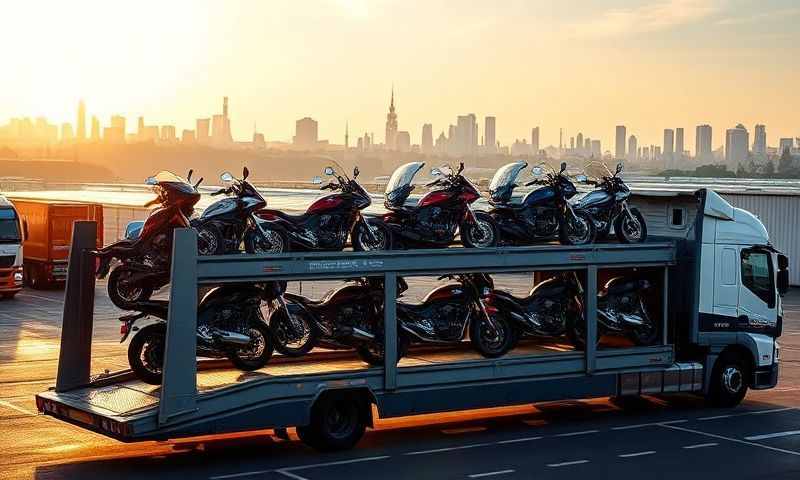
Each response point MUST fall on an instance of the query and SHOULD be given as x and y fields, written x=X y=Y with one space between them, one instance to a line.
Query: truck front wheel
x=338 y=421
x=729 y=381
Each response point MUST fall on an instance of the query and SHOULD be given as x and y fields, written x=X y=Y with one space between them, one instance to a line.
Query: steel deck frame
x=285 y=401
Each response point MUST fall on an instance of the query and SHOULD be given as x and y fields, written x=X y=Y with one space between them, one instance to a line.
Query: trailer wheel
x=338 y=421
x=729 y=380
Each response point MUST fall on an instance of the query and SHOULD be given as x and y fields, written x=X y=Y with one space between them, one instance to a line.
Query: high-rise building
x=669 y=147
x=140 y=129
x=597 y=151
x=619 y=152
x=587 y=146
x=95 y=129
x=760 y=140
x=221 y=126
x=81 y=133
x=679 y=147
x=390 y=140
x=67 y=134
x=737 y=142
x=572 y=143
x=168 y=134
x=490 y=135
x=202 y=128
x=466 y=134
x=702 y=149
x=579 y=143
x=403 y=141
x=118 y=121
x=633 y=145
x=535 y=140
x=187 y=137
x=306 y=133
x=785 y=144
x=427 y=139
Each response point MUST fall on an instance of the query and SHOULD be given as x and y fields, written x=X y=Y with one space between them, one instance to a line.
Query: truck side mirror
x=25 y=229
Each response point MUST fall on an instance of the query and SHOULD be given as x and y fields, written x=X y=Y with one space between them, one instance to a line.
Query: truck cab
x=11 y=236
x=741 y=279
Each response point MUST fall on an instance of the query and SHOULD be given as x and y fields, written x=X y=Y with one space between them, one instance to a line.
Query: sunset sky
x=583 y=65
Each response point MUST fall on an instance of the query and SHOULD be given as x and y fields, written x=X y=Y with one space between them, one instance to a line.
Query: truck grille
x=7 y=261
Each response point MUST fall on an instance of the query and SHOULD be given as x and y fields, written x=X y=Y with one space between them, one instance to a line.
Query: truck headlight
x=17 y=277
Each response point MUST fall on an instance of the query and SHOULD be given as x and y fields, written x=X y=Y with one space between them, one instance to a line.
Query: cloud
x=654 y=17
x=760 y=17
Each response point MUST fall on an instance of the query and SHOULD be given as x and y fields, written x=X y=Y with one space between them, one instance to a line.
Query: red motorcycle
x=327 y=222
x=145 y=261
x=439 y=215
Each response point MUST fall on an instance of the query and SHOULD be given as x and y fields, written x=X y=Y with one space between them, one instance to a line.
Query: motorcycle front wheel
x=146 y=353
x=645 y=334
x=275 y=242
x=482 y=233
x=255 y=354
x=122 y=290
x=360 y=238
x=630 y=228
x=209 y=240
x=293 y=337
x=491 y=342
x=373 y=353
x=578 y=230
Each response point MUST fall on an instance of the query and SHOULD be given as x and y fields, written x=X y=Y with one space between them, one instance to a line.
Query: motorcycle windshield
x=502 y=184
x=399 y=186
x=175 y=182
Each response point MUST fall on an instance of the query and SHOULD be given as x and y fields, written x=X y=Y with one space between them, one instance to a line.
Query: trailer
x=706 y=345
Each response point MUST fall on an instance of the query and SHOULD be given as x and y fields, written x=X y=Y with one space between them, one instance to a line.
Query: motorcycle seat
x=283 y=215
x=411 y=307
x=621 y=288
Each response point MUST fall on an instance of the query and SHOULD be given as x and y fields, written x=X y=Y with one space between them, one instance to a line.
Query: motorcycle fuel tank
x=539 y=197
x=432 y=198
x=328 y=202
x=595 y=198
x=220 y=207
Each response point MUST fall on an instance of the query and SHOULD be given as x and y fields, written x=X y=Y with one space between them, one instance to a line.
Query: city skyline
x=691 y=62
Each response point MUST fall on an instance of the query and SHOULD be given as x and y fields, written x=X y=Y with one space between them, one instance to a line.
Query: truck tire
x=730 y=379
x=338 y=421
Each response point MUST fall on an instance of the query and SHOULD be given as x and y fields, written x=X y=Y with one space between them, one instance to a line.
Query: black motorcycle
x=229 y=325
x=328 y=221
x=350 y=316
x=622 y=310
x=551 y=309
x=439 y=214
x=228 y=222
x=543 y=213
x=451 y=312
x=608 y=205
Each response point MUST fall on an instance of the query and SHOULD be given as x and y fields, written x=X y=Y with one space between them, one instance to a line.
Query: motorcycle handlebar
x=219 y=192
x=152 y=202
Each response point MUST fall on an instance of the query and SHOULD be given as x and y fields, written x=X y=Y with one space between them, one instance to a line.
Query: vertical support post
x=390 y=330
x=75 y=356
x=591 y=319
x=664 y=307
x=179 y=384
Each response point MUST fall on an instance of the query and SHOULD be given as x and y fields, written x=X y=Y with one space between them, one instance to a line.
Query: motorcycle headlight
x=486 y=291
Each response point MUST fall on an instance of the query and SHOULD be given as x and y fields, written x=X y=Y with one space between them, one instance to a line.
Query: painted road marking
x=572 y=434
x=701 y=445
x=773 y=435
x=636 y=454
x=566 y=464
x=517 y=440
x=651 y=424
x=447 y=449
x=756 y=412
x=730 y=439
x=287 y=471
x=715 y=417
x=490 y=474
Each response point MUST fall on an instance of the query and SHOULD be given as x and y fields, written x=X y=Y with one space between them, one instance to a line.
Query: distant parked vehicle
x=11 y=237
x=47 y=228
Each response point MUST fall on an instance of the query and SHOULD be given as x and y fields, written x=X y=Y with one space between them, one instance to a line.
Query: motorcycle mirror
x=329 y=171
x=245 y=173
x=189 y=176
x=198 y=182
x=435 y=171
x=355 y=172
x=537 y=171
x=316 y=180
x=581 y=178
x=461 y=167
x=226 y=177
x=150 y=181
x=563 y=166
x=619 y=167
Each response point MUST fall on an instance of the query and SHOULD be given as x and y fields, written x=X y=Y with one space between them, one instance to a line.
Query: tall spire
x=391 y=104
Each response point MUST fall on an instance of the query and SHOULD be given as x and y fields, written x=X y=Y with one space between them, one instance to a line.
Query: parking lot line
x=491 y=474
x=566 y=464
x=773 y=435
x=700 y=445
x=636 y=454
x=731 y=439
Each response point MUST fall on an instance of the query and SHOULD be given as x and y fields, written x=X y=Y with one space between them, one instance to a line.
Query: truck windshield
x=9 y=226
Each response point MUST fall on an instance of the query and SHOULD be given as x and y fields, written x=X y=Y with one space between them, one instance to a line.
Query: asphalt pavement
x=656 y=437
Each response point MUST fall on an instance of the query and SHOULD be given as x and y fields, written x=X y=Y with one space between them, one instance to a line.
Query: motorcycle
x=608 y=205
x=350 y=316
x=621 y=310
x=439 y=214
x=228 y=222
x=551 y=309
x=450 y=312
x=328 y=221
x=146 y=257
x=543 y=213
x=229 y=325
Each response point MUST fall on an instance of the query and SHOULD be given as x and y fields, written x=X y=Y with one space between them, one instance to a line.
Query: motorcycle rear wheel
x=146 y=353
x=257 y=353
x=481 y=234
x=122 y=293
x=280 y=325
x=373 y=353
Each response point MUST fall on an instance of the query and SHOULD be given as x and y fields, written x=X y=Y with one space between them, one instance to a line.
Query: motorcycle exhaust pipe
x=231 y=338
x=361 y=334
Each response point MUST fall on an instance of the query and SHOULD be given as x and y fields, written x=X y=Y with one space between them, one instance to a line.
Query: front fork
x=370 y=231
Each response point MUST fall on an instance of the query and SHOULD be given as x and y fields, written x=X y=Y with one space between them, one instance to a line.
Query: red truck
x=47 y=233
